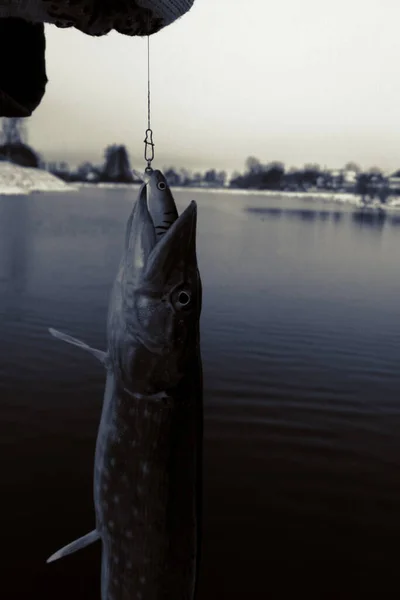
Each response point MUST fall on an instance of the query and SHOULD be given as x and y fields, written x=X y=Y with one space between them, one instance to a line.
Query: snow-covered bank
x=23 y=180
x=344 y=198
x=335 y=197
x=108 y=186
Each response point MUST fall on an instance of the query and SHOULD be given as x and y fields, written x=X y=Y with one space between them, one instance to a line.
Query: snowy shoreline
x=16 y=180
x=328 y=197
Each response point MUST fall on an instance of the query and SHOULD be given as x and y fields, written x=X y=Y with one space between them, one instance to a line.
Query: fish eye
x=161 y=185
x=183 y=299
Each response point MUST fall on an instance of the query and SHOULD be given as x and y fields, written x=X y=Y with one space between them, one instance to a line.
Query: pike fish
x=148 y=457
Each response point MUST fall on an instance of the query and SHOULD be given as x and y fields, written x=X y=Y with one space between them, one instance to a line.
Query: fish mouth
x=153 y=267
x=156 y=255
x=177 y=247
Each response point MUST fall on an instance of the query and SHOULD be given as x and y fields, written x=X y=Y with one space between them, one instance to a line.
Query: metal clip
x=149 y=149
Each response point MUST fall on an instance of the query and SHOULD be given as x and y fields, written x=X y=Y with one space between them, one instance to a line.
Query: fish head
x=153 y=325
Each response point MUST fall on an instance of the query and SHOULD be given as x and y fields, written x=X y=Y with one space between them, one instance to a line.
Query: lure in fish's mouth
x=158 y=239
x=160 y=203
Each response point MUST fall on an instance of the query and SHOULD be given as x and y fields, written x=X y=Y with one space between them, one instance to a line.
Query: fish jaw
x=156 y=299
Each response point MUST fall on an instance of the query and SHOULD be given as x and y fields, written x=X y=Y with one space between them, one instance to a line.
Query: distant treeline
x=258 y=176
x=116 y=168
x=350 y=178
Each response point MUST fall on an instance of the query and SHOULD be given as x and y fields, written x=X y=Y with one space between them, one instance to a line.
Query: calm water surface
x=301 y=348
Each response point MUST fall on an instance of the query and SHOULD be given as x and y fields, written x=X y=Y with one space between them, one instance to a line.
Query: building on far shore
x=394 y=182
x=343 y=179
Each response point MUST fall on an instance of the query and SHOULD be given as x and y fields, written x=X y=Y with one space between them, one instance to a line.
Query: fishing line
x=148 y=141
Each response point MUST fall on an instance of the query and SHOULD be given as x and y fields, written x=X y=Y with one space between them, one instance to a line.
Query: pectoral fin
x=78 y=544
x=99 y=354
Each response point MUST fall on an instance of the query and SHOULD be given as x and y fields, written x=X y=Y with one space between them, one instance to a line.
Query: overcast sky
x=299 y=82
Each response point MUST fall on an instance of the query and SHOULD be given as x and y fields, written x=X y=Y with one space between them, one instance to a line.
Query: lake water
x=301 y=350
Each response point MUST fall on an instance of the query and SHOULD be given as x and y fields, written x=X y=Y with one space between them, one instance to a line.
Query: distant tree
x=312 y=167
x=117 y=164
x=310 y=175
x=362 y=185
x=109 y=151
x=41 y=161
x=63 y=171
x=272 y=176
x=352 y=166
x=19 y=154
x=13 y=131
x=290 y=179
x=12 y=143
x=276 y=164
x=85 y=171
x=196 y=178
x=186 y=177
x=238 y=180
x=215 y=178
x=374 y=171
x=221 y=178
x=172 y=176
x=253 y=165
x=60 y=169
x=210 y=176
x=234 y=179
x=259 y=176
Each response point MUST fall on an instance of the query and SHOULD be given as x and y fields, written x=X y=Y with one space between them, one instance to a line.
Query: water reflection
x=305 y=214
x=300 y=339
x=270 y=212
x=324 y=215
x=368 y=219
x=337 y=217
x=308 y=215
x=15 y=242
x=395 y=220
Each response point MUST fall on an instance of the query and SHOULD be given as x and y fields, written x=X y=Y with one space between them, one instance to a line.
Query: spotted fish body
x=147 y=476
